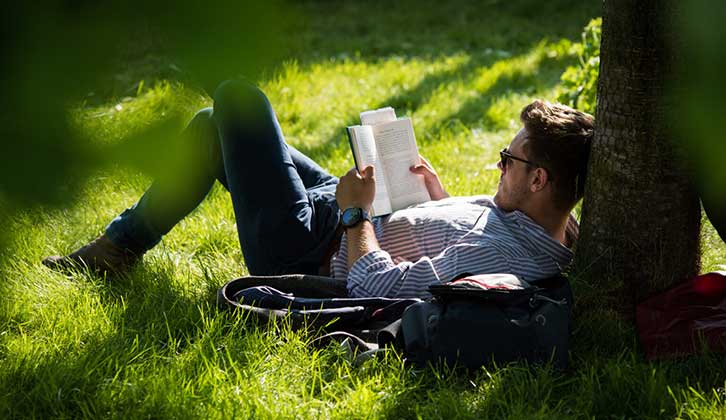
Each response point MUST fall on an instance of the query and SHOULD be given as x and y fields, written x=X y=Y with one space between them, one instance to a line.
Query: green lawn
x=152 y=344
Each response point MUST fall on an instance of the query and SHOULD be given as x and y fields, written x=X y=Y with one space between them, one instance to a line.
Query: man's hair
x=558 y=138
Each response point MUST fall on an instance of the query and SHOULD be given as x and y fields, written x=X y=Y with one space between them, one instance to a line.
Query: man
x=288 y=209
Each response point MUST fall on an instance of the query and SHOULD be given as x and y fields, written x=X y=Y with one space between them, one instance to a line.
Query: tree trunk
x=640 y=216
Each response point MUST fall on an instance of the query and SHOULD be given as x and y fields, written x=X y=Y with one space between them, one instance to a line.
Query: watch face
x=351 y=216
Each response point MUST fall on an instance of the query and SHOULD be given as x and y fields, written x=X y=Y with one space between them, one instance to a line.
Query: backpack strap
x=297 y=284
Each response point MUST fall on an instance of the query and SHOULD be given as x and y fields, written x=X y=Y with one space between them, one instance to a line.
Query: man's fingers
x=420 y=170
x=367 y=172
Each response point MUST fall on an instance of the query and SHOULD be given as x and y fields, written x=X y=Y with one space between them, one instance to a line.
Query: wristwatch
x=354 y=215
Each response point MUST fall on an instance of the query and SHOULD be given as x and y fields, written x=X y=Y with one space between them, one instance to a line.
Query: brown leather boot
x=100 y=255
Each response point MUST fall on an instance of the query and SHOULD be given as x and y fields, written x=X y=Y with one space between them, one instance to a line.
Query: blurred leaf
x=55 y=53
x=700 y=90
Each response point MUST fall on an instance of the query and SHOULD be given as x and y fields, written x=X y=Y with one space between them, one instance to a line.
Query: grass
x=152 y=345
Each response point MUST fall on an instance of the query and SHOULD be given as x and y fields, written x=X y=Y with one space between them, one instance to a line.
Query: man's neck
x=553 y=221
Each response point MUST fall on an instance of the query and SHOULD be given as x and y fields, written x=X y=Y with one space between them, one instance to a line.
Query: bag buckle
x=541 y=298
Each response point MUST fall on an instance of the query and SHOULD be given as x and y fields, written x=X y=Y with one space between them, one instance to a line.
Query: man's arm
x=358 y=190
x=361 y=241
x=375 y=273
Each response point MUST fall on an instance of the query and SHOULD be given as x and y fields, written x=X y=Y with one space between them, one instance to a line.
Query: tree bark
x=640 y=216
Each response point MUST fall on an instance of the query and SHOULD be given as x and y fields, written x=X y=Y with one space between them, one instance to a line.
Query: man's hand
x=431 y=178
x=356 y=190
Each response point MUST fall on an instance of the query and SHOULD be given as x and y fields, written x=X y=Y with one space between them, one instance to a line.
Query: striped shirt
x=435 y=241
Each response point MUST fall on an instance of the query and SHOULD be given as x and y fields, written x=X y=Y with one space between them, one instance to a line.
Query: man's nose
x=501 y=167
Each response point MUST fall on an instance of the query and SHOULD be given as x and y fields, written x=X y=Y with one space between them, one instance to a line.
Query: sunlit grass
x=152 y=344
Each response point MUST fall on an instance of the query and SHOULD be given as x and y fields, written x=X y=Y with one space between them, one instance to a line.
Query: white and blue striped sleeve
x=375 y=273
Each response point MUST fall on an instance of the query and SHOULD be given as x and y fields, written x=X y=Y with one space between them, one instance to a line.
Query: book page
x=398 y=152
x=365 y=153
x=378 y=116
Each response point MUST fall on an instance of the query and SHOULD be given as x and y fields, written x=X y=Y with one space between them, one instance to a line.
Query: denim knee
x=240 y=100
x=202 y=118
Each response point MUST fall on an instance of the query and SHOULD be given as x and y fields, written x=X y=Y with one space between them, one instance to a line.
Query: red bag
x=684 y=319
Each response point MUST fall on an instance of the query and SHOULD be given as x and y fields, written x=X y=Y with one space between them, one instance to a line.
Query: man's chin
x=501 y=204
x=498 y=200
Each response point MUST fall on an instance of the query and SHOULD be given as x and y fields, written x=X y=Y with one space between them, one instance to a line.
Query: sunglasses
x=505 y=156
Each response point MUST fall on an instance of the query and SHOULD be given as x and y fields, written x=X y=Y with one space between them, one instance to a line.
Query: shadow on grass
x=621 y=386
x=542 y=75
x=319 y=29
x=405 y=102
x=154 y=323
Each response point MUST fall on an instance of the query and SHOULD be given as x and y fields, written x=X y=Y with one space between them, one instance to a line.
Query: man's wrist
x=361 y=241
x=354 y=216
x=357 y=228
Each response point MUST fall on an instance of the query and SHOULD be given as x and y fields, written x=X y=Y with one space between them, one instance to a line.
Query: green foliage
x=579 y=82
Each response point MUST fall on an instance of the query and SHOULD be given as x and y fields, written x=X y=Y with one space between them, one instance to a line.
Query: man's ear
x=538 y=179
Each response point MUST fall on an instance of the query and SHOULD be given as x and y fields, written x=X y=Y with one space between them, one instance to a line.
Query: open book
x=389 y=145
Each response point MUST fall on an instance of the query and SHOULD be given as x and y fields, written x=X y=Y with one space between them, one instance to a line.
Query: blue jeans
x=284 y=203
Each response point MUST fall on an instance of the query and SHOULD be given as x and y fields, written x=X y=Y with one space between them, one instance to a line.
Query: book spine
x=352 y=148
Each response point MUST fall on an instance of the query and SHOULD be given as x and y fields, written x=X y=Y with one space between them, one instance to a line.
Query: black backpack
x=461 y=324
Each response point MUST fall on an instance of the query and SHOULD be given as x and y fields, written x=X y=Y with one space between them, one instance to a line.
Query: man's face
x=513 y=188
